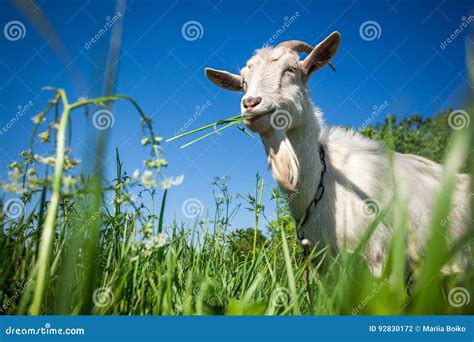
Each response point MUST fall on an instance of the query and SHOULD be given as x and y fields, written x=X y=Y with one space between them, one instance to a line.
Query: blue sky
x=404 y=67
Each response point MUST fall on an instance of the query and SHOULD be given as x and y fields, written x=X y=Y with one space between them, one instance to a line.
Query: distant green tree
x=240 y=241
x=426 y=137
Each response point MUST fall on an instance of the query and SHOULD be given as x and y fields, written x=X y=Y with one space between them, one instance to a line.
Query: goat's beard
x=282 y=159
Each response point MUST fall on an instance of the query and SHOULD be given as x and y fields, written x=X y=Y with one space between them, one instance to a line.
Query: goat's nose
x=251 y=102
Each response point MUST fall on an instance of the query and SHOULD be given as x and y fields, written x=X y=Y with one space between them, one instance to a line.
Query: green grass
x=72 y=251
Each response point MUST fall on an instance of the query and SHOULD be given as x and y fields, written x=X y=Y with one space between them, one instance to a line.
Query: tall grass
x=118 y=257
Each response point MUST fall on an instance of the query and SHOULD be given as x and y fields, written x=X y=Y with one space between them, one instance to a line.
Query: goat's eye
x=290 y=70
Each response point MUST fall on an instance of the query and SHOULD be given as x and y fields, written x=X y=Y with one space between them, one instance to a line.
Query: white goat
x=358 y=173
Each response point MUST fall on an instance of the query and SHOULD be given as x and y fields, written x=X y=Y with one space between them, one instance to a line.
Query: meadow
x=73 y=243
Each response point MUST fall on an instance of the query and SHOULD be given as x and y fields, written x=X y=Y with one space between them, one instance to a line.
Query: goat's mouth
x=251 y=118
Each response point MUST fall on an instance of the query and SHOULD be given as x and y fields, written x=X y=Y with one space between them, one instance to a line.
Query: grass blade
x=208 y=135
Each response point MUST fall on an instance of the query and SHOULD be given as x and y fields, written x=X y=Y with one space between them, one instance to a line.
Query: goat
x=357 y=171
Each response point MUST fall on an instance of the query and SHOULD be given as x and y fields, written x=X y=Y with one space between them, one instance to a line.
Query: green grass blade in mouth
x=208 y=134
x=245 y=130
x=236 y=118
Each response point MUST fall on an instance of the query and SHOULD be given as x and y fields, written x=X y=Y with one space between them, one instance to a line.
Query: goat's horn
x=297 y=45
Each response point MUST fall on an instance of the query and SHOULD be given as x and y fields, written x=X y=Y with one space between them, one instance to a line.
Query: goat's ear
x=321 y=54
x=225 y=79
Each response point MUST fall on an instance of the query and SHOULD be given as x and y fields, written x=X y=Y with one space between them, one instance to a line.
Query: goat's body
x=359 y=181
x=278 y=106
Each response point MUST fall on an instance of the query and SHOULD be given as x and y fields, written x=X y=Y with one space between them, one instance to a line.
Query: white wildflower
x=45 y=160
x=153 y=243
x=148 y=180
x=219 y=198
x=69 y=182
x=37 y=119
x=166 y=183
x=136 y=175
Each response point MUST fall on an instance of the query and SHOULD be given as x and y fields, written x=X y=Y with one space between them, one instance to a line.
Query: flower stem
x=49 y=225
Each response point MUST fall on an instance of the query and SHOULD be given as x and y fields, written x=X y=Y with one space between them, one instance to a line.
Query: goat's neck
x=294 y=159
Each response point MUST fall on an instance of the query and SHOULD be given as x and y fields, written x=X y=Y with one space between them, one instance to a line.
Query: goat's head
x=274 y=82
